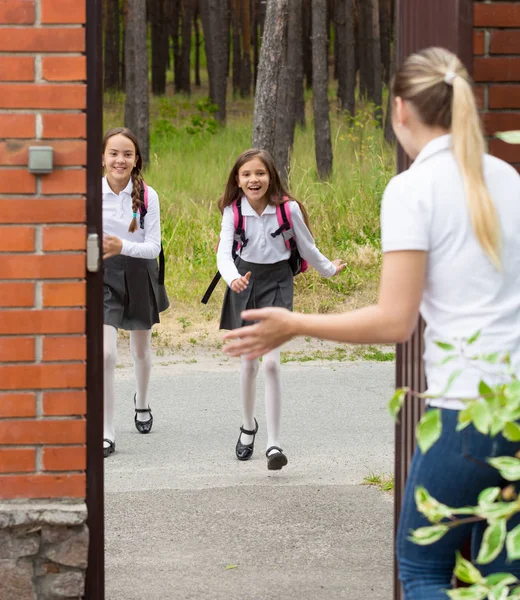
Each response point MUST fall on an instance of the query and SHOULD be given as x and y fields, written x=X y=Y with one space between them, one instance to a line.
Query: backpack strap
x=239 y=237
x=283 y=214
x=143 y=209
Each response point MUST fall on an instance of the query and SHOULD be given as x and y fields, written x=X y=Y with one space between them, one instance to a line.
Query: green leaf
x=482 y=416
x=473 y=338
x=515 y=594
x=465 y=571
x=475 y=592
x=511 y=137
x=489 y=495
x=492 y=542
x=431 y=508
x=508 y=466
x=451 y=379
x=484 y=390
x=465 y=418
x=425 y=536
x=512 y=432
x=500 y=578
x=448 y=358
x=496 y=511
x=513 y=544
x=445 y=346
x=499 y=592
x=231 y=567
x=396 y=402
x=429 y=429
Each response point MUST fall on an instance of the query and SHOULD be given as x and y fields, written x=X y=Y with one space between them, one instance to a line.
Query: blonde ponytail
x=468 y=147
x=437 y=84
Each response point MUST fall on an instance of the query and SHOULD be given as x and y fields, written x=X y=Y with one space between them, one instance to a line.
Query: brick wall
x=42 y=242
x=496 y=71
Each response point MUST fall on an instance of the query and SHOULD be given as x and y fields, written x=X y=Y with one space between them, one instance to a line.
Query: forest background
x=200 y=81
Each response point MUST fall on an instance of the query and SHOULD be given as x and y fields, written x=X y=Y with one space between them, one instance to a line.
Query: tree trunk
x=136 y=60
x=385 y=25
x=307 y=42
x=245 y=67
x=175 y=23
x=236 y=44
x=123 y=41
x=269 y=66
x=347 y=55
x=156 y=13
x=295 y=61
x=112 y=45
x=196 y=26
x=375 y=50
x=320 y=78
x=184 y=83
x=363 y=20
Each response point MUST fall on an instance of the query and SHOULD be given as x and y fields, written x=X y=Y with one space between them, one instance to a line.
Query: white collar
x=106 y=189
x=438 y=144
x=249 y=211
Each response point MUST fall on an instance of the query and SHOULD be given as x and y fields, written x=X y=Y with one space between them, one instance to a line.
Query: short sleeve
x=406 y=214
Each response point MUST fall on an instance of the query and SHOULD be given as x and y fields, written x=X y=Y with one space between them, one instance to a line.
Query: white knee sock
x=140 y=342
x=248 y=373
x=273 y=396
x=109 y=377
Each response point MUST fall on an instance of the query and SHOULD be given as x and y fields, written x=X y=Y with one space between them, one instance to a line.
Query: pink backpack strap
x=279 y=216
x=238 y=236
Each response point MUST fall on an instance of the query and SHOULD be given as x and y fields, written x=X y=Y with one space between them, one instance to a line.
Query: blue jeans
x=453 y=471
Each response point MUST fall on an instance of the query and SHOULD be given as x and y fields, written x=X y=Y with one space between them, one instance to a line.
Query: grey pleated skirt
x=133 y=296
x=269 y=285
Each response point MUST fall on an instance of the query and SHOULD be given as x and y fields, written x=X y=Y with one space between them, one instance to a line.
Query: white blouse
x=117 y=215
x=261 y=247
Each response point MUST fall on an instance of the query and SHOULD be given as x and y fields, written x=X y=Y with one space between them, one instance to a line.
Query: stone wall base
x=43 y=550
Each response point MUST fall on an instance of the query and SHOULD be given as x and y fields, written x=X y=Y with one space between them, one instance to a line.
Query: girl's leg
x=248 y=373
x=109 y=377
x=140 y=346
x=273 y=396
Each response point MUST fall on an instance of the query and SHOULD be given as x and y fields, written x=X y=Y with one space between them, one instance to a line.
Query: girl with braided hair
x=132 y=295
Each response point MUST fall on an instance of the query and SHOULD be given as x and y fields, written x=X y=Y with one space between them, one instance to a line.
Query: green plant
x=184 y=323
x=496 y=410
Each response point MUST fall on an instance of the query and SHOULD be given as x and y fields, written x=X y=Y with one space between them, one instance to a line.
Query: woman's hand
x=112 y=246
x=240 y=283
x=339 y=264
x=275 y=327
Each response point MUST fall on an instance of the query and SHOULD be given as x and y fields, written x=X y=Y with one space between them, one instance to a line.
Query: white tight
x=273 y=397
x=140 y=342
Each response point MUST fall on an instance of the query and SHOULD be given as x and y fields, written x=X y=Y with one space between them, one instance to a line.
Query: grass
x=340 y=353
x=190 y=160
x=383 y=482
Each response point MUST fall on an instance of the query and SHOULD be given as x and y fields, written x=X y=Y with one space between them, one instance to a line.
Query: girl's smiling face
x=253 y=179
x=119 y=159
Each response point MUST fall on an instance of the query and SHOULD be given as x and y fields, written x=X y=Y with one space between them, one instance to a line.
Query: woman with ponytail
x=132 y=299
x=450 y=229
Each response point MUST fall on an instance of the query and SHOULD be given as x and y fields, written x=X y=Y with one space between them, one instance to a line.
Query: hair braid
x=136 y=198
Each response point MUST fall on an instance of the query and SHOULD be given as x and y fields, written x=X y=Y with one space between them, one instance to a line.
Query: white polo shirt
x=117 y=216
x=261 y=247
x=424 y=208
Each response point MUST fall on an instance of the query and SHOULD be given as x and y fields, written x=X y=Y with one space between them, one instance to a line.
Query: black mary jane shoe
x=245 y=451
x=277 y=460
x=143 y=426
x=110 y=449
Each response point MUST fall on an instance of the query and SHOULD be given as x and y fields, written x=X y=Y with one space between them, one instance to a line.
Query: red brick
x=64 y=68
x=16 y=239
x=16 y=349
x=53 y=266
x=17 y=126
x=42 y=321
x=64 y=348
x=68 y=153
x=58 y=404
x=14 y=12
x=17 y=405
x=25 y=95
x=42 y=486
x=16 y=68
x=494 y=122
x=17 y=460
x=480 y=91
x=44 y=39
x=71 y=181
x=504 y=96
x=504 y=41
x=64 y=294
x=505 y=151
x=64 y=238
x=17 y=181
x=496 y=69
x=64 y=126
x=46 y=431
x=64 y=458
x=478 y=42
x=16 y=294
x=38 y=377
x=503 y=14
x=63 y=11
x=66 y=210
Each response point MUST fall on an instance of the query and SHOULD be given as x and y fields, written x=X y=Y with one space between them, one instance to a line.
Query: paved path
x=186 y=520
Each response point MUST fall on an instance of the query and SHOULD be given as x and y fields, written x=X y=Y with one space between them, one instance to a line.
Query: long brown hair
x=436 y=83
x=136 y=176
x=276 y=192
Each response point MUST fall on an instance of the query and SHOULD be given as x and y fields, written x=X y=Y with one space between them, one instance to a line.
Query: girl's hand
x=240 y=284
x=274 y=327
x=112 y=246
x=339 y=264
